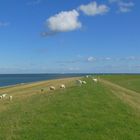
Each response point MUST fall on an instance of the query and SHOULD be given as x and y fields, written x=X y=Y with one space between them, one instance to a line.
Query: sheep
x=4 y=95
x=95 y=80
x=10 y=98
x=62 y=86
x=52 y=88
x=87 y=76
x=79 y=82
x=84 y=82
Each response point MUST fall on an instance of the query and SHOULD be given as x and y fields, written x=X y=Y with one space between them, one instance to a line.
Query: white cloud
x=131 y=58
x=91 y=59
x=64 y=21
x=107 y=58
x=93 y=9
x=4 y=24
x=124 y=6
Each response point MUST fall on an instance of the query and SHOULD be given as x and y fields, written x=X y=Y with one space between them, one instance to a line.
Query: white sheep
x=79 y=82
x=10 y=98
x=4 y=95
x=84 y=82
x=87 y=76
x=95 y=80
x=52 y=88
x=62 y=86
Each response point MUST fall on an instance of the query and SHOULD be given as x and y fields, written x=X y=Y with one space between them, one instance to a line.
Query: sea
x=14 y=79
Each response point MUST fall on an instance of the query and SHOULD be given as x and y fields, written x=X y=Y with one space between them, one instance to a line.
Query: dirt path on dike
x=126 y=95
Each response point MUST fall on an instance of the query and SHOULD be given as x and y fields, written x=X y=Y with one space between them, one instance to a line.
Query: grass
x=76 y=113
x=129 y=81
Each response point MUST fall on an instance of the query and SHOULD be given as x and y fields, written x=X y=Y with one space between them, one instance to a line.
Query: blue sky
x=64 y=36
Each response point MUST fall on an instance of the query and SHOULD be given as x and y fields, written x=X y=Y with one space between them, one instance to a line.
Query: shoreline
x=25 y=83
x=37 y=82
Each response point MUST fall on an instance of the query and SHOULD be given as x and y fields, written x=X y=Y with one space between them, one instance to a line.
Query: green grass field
x=94 y=111
x=129 y=81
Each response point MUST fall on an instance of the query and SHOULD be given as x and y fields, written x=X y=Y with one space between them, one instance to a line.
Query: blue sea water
x=13 y=79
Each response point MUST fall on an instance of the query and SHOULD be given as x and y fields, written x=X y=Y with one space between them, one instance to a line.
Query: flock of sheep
x=62 y=86
x=79 y=82
x=5 y=96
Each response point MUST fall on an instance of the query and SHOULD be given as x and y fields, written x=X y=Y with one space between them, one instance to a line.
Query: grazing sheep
x=62 y=86
x=95 y=80
x=87 y=76
x=79 y=82
x=52 y=88
x=84 y=82
x=10 y=98
x=4 y=95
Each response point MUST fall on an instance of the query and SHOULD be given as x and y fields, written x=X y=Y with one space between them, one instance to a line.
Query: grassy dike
x=128 y=81
x=90 y=112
